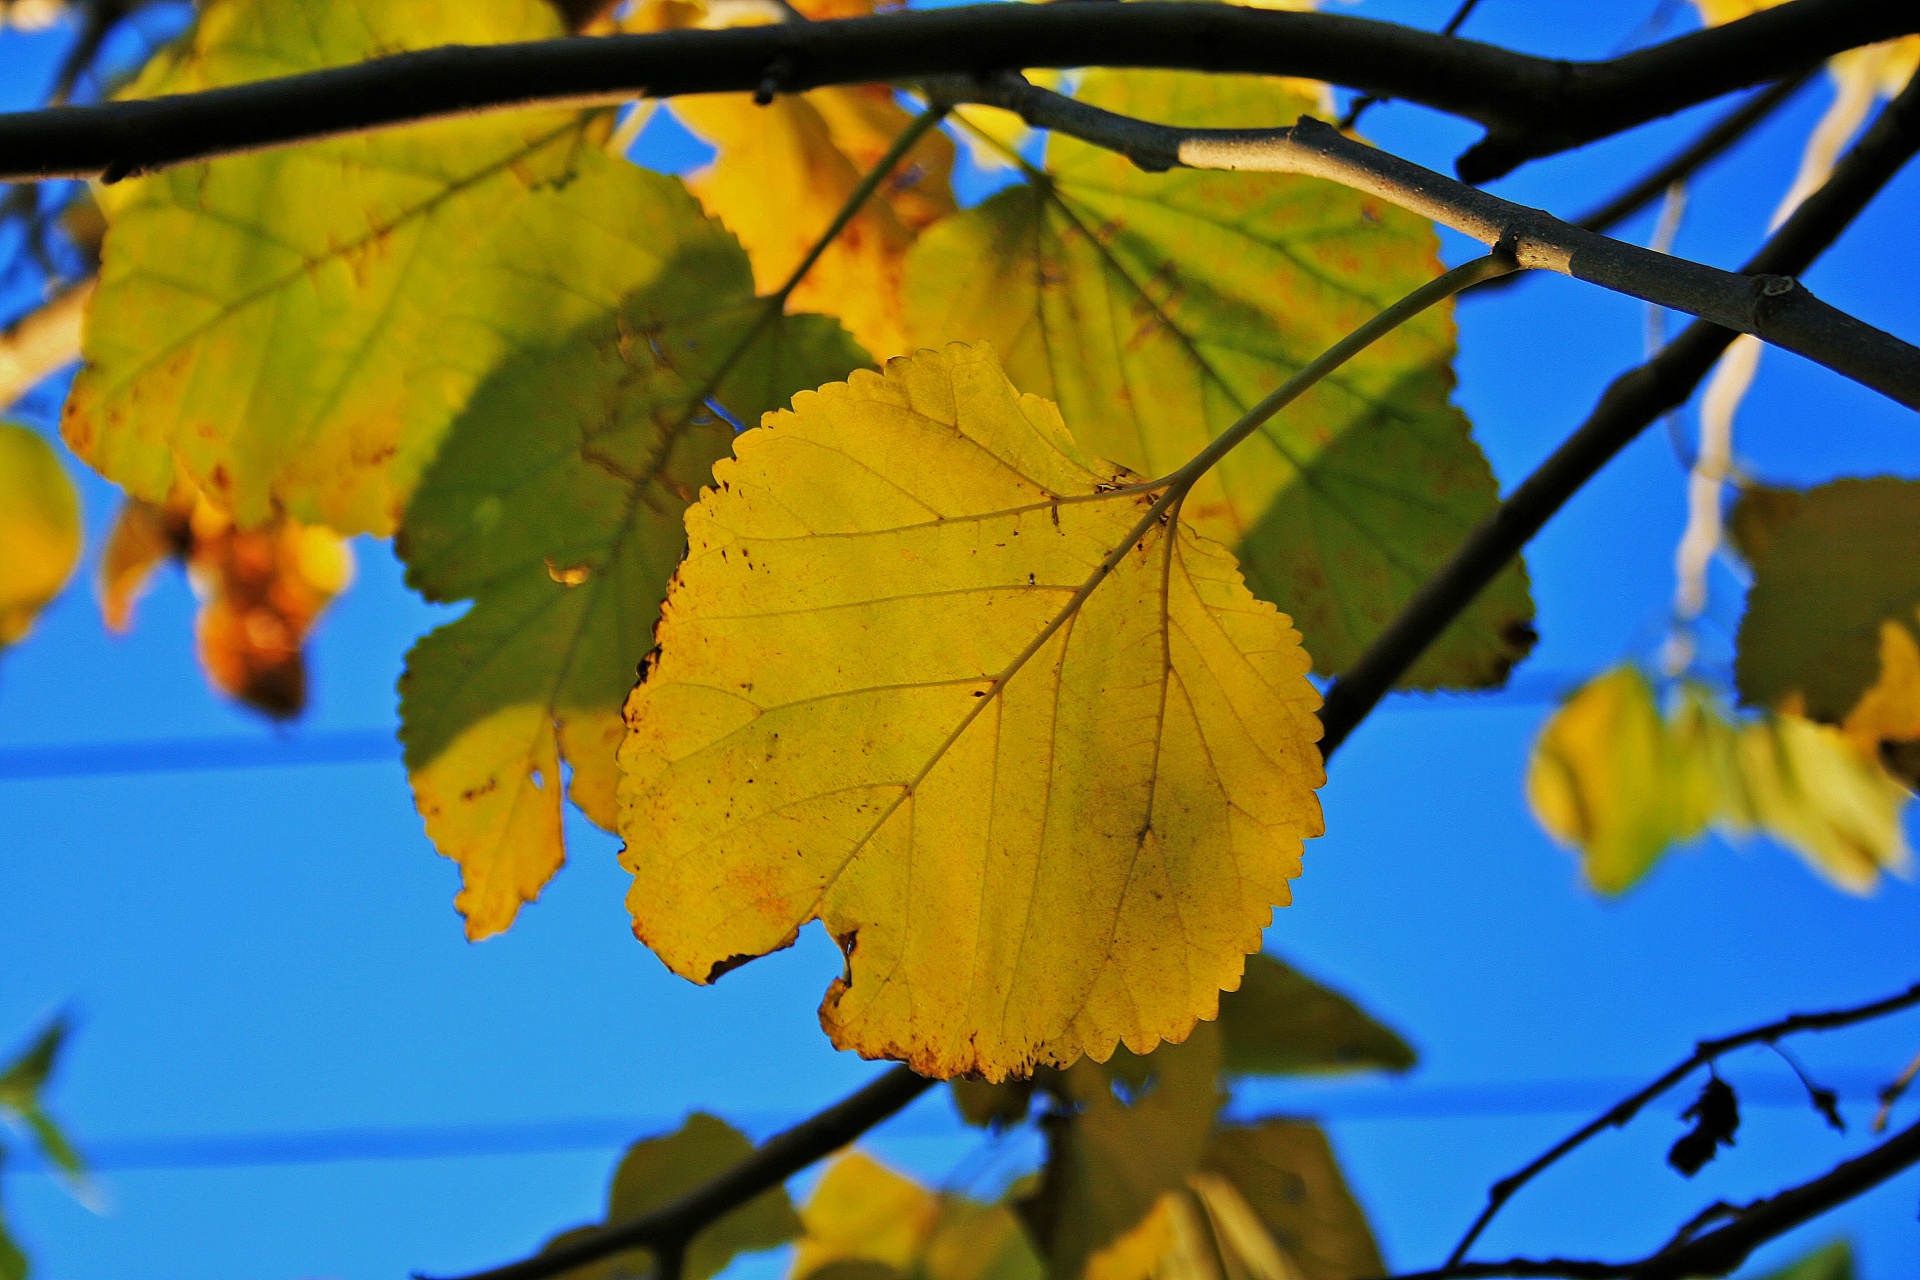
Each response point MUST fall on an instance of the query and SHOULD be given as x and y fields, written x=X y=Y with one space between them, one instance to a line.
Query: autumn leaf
x=1598 y=779
x=556 y=507
x=1018 y=836
x=1286 y=1172
x=1615 y=777
x=1281 y=1022
x=655 y=1170
x=785 y=168
x=1129 y=1131
x=867 y=1222
x=1156 y=308
x=1831 y=618
x=39 y=529
x=1829 y=1262
x=262 y=590
x=296 y=329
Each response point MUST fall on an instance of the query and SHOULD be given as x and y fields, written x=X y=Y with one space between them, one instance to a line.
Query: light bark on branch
x=1530 y=106
x=1774 y=308
x=42 y=342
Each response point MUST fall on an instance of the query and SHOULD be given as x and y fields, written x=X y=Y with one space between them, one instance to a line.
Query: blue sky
x=272 y=951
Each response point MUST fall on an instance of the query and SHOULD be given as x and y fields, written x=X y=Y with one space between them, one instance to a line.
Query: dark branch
x=1717 y=1253
x=1531 y=106
x=669 y=1227
x=1634 y=401
x=1774 y=308
x=1706 y=1052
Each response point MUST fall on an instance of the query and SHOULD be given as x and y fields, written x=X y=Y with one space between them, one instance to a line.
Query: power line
x=327 y=747
x=1356 y=1103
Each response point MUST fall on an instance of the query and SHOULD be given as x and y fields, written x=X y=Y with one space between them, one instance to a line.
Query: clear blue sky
x=272 y=951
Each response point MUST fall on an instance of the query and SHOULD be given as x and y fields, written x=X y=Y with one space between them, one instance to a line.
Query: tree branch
x=669 y=1227
x=1531 y=107
x=41 y=342
x=1634 y=401
x=1627 y=1108
x=1719 y=1252
x=1772 y=307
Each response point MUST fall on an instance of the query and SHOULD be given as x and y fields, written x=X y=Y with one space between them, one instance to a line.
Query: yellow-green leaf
x=296 y=329
x=1287 y=1174
x=1829 y=1262
x=1811 y=790
x=556 y=506
x=1030 y=844
x=1155 y=308
x=39 y=529
x=992 y=1106
x=1281 y=1022
x=1131 y=1131
x=655 y=1170
x=20 y=1087
x=1846 y=560
x=863 y=1211
x=1599 y=778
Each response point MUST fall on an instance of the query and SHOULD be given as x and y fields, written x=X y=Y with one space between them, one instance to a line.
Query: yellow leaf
x=1814 y=793
x=858 y=715
x=1110 y=1159
x=863 y=1211
x=1156 y=308
x=783 y=173
x=1888 y=713
x=39 y=529
x=345 y=297
x=1217 y=1237
x=974 y=1241
x=1598 y=779
x=1285 y=1171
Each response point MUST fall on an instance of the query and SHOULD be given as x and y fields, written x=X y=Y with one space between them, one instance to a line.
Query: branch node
x=773 y=80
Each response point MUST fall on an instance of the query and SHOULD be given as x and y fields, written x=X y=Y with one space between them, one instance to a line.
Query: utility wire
x=1336 y=1102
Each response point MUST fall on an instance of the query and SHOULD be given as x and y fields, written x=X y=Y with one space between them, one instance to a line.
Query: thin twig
x=1633 y=402
x=1531 y=106
x=1772 y=307
x=772 y=1163
x=1892 y=1093
x=1717 y=1253
x=1367 y=101
x=1703 y=1055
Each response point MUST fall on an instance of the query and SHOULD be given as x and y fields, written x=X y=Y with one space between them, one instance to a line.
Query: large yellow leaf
x=556 y=506
x=1029 y=845
x=39 y=529
x=655 y=1170
x=296 y=329
x=1155 y=308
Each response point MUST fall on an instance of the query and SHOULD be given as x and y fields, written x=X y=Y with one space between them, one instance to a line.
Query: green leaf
x=1281 y=1023
x=13 y=1263
x=556 y=507
x=39 y=529
x=1842 y=564
x=655 y=1170
x=1287 y=1173
x=20 y=1087
x=1134 y=1128
x=992 y=1106
x=297 y=328
x=1155 y=308
x=1832 y=1261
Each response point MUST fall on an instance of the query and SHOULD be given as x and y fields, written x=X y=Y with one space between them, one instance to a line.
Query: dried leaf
x=1013 y=834
x=1716 y=1118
